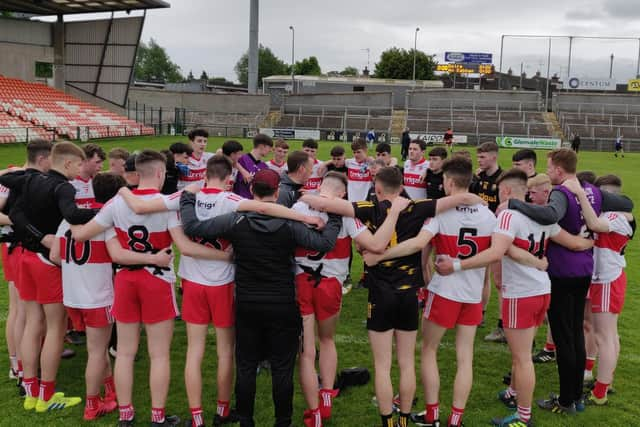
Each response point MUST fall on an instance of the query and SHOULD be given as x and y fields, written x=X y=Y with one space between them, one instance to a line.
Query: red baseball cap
x=268 y=178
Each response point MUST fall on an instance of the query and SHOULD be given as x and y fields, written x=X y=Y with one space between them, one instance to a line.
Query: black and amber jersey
x=399 y=274
x=435 y=185
x=485 y=186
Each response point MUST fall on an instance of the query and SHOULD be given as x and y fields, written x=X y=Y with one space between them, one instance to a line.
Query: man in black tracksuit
x=268 y=322
x=299 y=168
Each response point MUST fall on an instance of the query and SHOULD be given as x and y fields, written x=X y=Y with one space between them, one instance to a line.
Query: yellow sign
x=634 y=85
x=466 y=68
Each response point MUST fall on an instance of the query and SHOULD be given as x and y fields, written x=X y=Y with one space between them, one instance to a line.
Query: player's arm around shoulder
x=330 y=205
x=450 y=202
x=210 y=228
x=192 y=249
x=142 y=206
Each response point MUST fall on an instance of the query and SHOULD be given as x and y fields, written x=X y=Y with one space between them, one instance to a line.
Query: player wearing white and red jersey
x=358 y=172
x=525 y=288
x=609 y=281
x=312 y=185
x=280 y=168
x=84 y=192
x=143 y=290
x=415 y=170
x=197 y=162
x=197 y=169
x=91 y=166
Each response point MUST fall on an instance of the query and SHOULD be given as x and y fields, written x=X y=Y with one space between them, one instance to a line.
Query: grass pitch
x=354 y=407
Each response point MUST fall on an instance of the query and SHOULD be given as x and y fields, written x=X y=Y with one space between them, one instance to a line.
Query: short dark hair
x=513 y=174
x=525 y=154
x=296 y=160
x=337 y=151
x=310 y=143
x=565 y=158
x=438 y=152
x=390 y=178
x=146 y=157
x=180 y=148
x=91 y=150
x=37 y=148
x=383 y=147
x=338 y=176
x=359 y=144
x=586 y=176
x=488 y=147
x=219 y=166
x=197 y=132
x=231 y=146
x=460 y=170
x=262 y=139
x=610 y=179
x=422 y=144
x=106 y=186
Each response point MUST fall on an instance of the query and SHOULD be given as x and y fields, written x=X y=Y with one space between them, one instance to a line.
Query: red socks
x=157 y=415
x=589 y=363
x=197 y=418
x=223 y=408
x=455 y=419
x=433 y=412
x=549 y=347
x=31 y=387
x=312 y=418
x=126 y=412
x=47 y=388
x=109 y=386
x=93 y=402
x=600 y=390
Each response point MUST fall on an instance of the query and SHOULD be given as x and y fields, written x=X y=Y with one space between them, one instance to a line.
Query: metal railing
x=474 y=104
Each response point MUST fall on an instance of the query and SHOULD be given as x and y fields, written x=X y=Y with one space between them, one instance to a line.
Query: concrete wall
x=357 y=102
x=467 y=98
x=597 y=102
x=19 y=60
x=211 y=102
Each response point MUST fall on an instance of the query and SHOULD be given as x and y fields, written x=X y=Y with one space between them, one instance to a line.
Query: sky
x=211 y=35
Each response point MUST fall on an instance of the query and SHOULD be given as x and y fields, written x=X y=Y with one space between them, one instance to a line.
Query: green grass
x=354 y=407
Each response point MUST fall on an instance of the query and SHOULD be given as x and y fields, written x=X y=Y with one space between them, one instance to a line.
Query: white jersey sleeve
x=608 y=249
x=353 y=226
x=172 y=201
x=106 y=215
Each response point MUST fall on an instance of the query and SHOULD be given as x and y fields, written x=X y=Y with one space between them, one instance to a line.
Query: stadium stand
x=38 y=105
x=334 y=117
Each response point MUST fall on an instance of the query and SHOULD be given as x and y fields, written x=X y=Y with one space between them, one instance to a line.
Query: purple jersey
x=562 y=261
x=252 y=166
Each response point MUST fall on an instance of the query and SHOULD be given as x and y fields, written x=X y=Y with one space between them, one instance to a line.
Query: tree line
x=154 y=64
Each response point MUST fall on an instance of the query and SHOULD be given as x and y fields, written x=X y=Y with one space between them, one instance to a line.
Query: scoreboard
x=466 y=68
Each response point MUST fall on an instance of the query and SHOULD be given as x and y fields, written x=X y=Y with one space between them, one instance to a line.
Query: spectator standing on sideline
x=575 y=143
x=619 y=146
x=448 y=139
x=371 y=137
x=268 y=321
x=404 y=142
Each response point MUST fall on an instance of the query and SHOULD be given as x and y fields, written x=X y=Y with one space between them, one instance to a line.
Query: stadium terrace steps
x=554 y=124
x=271 y=119
x=48 y=108
x=398 y=123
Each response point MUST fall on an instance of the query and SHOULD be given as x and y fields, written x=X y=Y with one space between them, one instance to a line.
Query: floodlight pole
x=569 y=62
x=253 y=46
x=293 y=53
x=500 y=70
x=548 y=70
x=415 y=45
x=611 y=68
x=368 y=53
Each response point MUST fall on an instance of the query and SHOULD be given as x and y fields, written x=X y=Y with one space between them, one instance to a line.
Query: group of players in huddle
x=97 y=246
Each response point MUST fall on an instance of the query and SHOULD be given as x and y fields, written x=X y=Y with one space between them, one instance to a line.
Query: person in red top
x=143 y=291
x=448 y=139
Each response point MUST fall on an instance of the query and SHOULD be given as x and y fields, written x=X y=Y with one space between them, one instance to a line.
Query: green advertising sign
x=535 y=143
